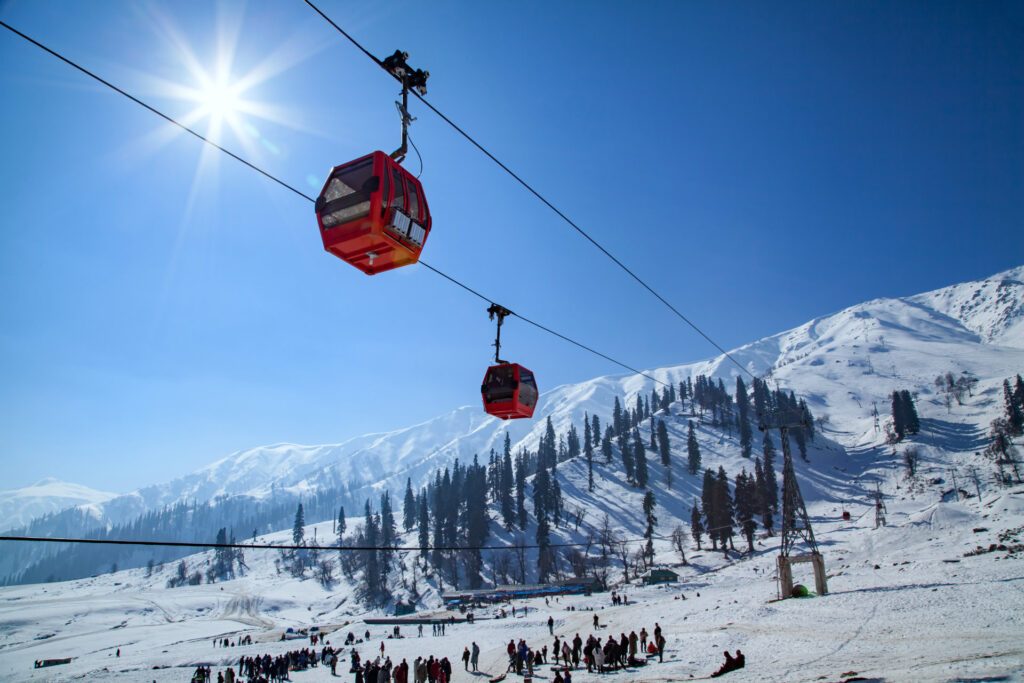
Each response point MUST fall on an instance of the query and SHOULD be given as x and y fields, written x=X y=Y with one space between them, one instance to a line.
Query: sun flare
x=220 y=100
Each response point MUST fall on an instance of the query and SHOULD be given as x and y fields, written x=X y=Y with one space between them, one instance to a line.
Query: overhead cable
x=561 y=214
x=271 y=546
x=305 y=196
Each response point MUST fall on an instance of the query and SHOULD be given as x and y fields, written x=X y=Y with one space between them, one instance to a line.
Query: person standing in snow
x=475 y=656
x=551 y=626
x=465 y=658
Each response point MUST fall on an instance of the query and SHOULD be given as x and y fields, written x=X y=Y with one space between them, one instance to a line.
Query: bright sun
x=220 y=100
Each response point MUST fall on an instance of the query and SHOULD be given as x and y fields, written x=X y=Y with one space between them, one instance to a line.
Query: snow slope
x=843 y=363
x=20 y=506
x=907 y=602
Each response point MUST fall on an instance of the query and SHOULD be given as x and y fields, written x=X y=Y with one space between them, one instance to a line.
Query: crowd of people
x=631 y=650
x=382 y=670
x=598 y=653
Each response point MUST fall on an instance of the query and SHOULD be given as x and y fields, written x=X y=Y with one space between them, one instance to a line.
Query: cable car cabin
x=373 y=214
x=509 y=391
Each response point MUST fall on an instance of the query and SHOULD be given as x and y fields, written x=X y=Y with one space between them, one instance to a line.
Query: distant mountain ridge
x=19 y=506
x=838 y=362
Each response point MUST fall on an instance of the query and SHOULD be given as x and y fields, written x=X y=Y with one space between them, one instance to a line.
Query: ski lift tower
x=796 y=526
x=879 y=507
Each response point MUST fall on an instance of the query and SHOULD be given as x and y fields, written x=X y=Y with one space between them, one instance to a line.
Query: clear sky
x=759 y=163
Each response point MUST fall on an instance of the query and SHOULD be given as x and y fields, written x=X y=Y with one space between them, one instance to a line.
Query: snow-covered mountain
x=19 y=506
x=944 y=558
x=842 y=363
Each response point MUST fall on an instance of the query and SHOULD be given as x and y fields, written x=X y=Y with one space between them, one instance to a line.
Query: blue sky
x=758 y=164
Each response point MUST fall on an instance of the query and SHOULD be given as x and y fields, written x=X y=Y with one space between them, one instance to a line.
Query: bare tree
x=325 y=573
x=577 y=561
x=621 y=549
x=502 y=567
x=599 y=569
x=606 y=537
x=911 y=456
x=639 y=561
x=577 y=517
x=679 y=538
x=520 y=550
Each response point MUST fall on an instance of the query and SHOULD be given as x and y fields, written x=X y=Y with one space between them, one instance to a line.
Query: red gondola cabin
x=373 y=214
x=509 y=391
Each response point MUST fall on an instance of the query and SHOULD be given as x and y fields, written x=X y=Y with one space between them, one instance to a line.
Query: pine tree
x=298 y=530
x=423 y=522
x=628 y=458
x=665 y=452
x=743 y=417
x=556 y=499
x=761 y=497
x=640 y=457
x=521 y=491
x=507 y=487
x=545 y=557
x=588 y=452
x=387 y=520
x=371 y=562
x=409 y=507
x=652 y=521
x=477 y=522
x=341 y=522
x=223 y=561
x=899 y=424
x=617 y=418
x=1014 y=413
x=723 y=501
x=696 y=527
x=771 y=487
x=654 y=435
x=606 y=446
x=910 y=418
x=692 y=450
x=547 y=449
x=572 y=442
x=595 y=430
x=709 y=506
x=746 y=501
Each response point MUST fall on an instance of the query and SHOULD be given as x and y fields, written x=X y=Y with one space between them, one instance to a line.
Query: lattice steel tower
x=796 y=525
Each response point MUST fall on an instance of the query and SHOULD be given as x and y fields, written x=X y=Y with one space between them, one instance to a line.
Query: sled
x=498 y=679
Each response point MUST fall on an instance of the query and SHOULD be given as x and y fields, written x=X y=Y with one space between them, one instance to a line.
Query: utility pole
x=796 y=525
x=879 y=508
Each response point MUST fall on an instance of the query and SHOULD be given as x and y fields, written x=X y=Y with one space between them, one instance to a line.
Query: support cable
x=305 y=196
x=537 y=194
x=271 y=546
